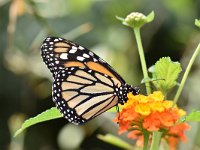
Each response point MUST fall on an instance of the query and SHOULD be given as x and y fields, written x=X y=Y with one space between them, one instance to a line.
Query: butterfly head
x=124 y=90
x=134 y=90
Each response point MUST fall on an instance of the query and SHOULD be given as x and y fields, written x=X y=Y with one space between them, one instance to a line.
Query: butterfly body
x=84 y=84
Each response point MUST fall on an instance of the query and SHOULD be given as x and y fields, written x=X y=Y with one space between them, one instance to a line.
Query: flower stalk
x=155 y=140
x=142 y=58
x=136 y=20
x=185 y=76
x=146 y=140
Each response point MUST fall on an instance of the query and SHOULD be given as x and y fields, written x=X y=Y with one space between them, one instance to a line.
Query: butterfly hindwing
x=59 y=53
x=82 y=94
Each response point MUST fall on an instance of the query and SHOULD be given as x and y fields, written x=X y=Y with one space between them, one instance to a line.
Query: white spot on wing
x=86 y=55
x=101 y=60
x=74 y=47
x=72 y=50
x=80 y=58
x=63 y=56
x=94 y=59
x=81 y=48
x=91 y=53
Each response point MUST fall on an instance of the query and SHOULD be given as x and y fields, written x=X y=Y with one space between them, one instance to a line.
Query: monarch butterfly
x=84 y=84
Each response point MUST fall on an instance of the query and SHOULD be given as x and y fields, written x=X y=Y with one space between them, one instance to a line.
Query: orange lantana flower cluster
x=151 y=113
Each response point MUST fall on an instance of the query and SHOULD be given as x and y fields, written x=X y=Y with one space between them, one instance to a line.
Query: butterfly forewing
x=59 y=53
x=81 y=98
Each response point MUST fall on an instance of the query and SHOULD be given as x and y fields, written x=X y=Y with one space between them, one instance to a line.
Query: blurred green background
x=25 y=82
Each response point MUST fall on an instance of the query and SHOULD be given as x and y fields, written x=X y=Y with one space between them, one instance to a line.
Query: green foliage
x=52 y=113
x=166 y=72
x=197 y=22
x=111 y=139
x=194 y=116
x=150 y=17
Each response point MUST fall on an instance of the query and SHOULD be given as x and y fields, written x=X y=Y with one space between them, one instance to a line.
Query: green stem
x=186 y=74
x=146 y=140
x=142 y=58
x=155 y=140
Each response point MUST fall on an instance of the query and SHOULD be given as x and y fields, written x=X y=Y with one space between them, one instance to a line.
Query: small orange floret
x=175 y=134
x=152 y=122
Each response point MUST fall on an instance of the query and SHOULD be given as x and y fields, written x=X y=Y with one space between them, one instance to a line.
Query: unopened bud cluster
x=135 y=19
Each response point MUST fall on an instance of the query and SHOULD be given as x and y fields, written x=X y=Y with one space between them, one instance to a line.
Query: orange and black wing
x=84 y=84
x=59 y=53
x=82 y=94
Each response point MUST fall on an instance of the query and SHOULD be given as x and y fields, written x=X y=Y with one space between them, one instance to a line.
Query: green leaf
x=111 y=139
x=151 y=69
x=52 y=113
x=166 y=72
x=197 y=22
x=120 y=18
x=150 y=17
x=194 y=116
